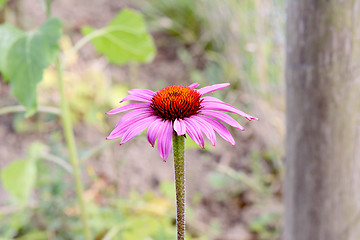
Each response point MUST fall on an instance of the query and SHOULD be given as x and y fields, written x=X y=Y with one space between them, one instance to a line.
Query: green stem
x=48 y=8
x=70 y=141
x=99 y=33
x=21 y=108
x=179 y=166
x=60 y=162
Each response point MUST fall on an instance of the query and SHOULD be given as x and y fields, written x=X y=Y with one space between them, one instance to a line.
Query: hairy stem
x=70 y=141
x=179 y=166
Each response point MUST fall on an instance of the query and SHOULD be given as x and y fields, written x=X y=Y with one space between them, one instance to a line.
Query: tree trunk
x=322 y=182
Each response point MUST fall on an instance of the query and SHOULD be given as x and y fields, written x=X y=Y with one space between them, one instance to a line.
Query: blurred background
x=233 y=192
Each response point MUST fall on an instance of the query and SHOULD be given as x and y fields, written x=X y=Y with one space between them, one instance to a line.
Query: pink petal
x=194 y=132
x=212 y=88
x=128 y=107
x=153 y=130
x=146 y=92
x=136 y=129
x=137 y=97
x=141 y=94
x=220 y=129
x=223 y=117
x=212 y=103
x=132 y=114
x=194 y=85
x=179 y=127
x=206 y=128
x=123 y=127
x=165 y=139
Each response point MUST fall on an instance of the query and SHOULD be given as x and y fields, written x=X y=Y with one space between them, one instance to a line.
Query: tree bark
x=322 y=180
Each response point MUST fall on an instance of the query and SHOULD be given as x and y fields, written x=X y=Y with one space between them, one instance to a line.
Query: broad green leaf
x=27 y=58
x=2 y=3
x=18 y=178
x=124 y=40
x=8 y=35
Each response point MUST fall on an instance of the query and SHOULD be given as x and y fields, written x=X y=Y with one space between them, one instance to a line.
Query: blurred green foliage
x=2 y=3
x=18 y=178
x=180 y=19
x=8 y=35
x=25 y=56
x=236 y=41
x=54 y=216
x=262 y=183
x=266 y=226
x=91 y=88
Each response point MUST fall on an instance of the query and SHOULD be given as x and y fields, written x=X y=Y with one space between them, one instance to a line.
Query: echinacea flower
x=182 y=109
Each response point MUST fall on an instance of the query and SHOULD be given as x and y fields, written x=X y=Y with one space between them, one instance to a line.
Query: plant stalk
x=21 y=108
x=70 y=142
x=179 y=166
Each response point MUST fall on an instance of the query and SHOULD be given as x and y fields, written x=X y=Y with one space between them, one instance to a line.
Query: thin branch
x=21 y=108
x=242 y=177
x=92 y=152
x=95 y=34
x=57 y=160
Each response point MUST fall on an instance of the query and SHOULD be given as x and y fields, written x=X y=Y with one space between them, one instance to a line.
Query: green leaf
x=124 y=40
x=2 y=3
x=27 y=58
x=8 y=35
x=18 y=178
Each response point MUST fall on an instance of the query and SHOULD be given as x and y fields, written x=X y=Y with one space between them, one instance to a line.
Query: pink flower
x=175 y=108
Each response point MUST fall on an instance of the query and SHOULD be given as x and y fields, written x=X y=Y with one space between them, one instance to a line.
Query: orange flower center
x=176 y=102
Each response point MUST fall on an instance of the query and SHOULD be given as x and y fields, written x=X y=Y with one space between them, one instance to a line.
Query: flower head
x=175 y=108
